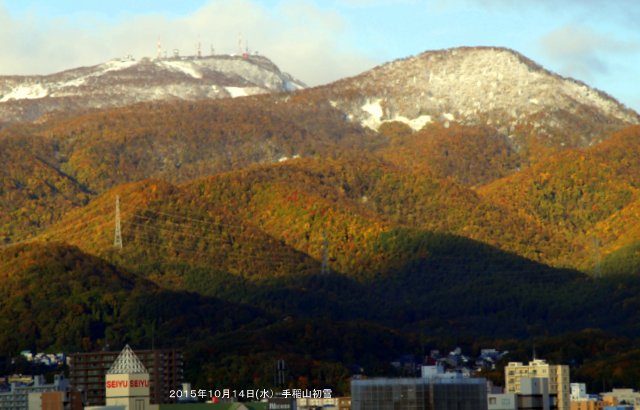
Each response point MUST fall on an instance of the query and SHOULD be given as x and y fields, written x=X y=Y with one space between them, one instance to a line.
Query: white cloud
x=625 y=12
x=299 y=37
x=581 y=51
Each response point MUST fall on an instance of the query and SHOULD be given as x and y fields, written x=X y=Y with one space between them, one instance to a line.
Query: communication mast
x=159 y=49
x=117 y=240
x=245 y=55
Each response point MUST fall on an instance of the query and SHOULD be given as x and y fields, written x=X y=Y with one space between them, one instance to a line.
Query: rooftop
x=127 y=363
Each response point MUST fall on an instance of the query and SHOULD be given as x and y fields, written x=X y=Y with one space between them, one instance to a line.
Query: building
x=587 y=405
x=425 y=393
x=29 y=396
x=87 y=373
x=127 y=383
x=581 y=400
x=558 y=376
x=618 y=397
x=61 y=400
x=502 y=401
x=535 y=394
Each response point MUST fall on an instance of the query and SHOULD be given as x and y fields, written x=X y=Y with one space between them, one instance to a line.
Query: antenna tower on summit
x=117 y=240
x=158 y=50
x=239 y=43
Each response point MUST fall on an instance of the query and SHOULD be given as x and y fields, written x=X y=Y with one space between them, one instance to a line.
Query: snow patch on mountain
x=25 y=92
x=237 y=91
x=184 y=67
x=375 y=111
x=416 y=124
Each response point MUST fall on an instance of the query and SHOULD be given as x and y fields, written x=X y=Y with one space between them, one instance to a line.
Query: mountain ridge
x=120 y=82
x=476 y=86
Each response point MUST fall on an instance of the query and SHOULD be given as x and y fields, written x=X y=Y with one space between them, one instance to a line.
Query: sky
x=320 y=41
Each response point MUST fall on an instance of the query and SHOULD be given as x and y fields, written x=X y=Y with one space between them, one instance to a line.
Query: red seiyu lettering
x=114 y=384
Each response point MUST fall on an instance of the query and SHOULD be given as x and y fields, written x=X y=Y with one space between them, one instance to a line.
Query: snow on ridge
x=112 y=65
x=115 y=65
x=26 y=92
x=236 y=91
x=182 y=66
x=292 y=86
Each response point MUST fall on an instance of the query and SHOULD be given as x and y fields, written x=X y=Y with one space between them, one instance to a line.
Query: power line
x=117 y=240
x=201 y=221
x=294 y=256
x=280 y=259
x=325 y=254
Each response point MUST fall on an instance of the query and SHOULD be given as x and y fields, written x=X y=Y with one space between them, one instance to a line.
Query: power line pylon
x=117 y=240
x=325 y=254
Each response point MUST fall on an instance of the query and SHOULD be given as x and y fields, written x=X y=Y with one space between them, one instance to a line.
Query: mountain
x=299 y=226
x=531 y=109
x=126 y=81
x=84 y=155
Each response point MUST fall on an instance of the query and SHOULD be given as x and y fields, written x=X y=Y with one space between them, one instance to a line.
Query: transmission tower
x=325 y=254
x=117 y=240
x=596 y=244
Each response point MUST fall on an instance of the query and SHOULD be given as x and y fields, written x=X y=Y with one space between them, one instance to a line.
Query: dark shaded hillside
x=55 y=296
x=88 y=295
